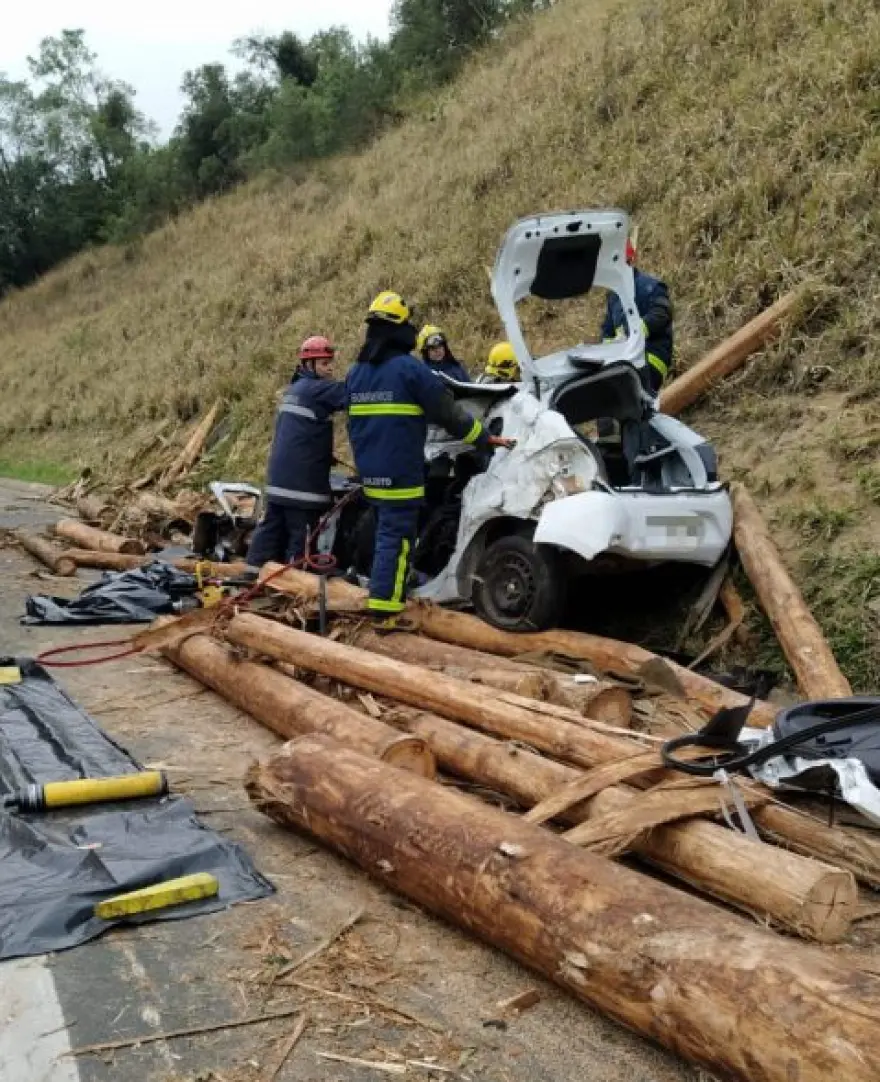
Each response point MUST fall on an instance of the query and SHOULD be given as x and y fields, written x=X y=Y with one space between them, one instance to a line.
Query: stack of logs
x=89 y=546
x=556 y=784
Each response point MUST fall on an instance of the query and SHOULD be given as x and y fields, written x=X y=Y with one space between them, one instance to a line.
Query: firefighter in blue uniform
x=298 y=484
x=433 y=346
x=392 y=397
x=655 y=308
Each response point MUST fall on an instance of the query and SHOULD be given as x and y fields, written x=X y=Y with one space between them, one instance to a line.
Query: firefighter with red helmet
x=298 y=484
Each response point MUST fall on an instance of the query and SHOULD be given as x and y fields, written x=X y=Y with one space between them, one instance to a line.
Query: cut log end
x=410 y=753
x=56 y=560
x=829 y=906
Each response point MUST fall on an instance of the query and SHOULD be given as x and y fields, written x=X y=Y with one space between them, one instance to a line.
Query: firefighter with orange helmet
x=298 y=483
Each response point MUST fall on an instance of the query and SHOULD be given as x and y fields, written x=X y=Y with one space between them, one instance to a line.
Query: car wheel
x=518 y=585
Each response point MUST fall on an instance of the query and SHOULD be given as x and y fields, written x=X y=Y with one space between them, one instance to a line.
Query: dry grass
x=746 y=140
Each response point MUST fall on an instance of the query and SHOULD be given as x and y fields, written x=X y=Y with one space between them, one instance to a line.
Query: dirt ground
x=398 y=986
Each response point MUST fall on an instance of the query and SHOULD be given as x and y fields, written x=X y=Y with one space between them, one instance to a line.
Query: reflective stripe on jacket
x=390 y=404
x=302 y=448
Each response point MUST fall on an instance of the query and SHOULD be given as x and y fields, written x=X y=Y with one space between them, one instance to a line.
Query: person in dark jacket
x=392 y=397
x=433 y=346
x=298 y=484
x=655 y=308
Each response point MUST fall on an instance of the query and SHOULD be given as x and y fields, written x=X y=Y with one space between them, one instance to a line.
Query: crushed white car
x=561 y=503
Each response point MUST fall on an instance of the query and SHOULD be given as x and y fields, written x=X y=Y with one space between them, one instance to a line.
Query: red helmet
x=317 y=348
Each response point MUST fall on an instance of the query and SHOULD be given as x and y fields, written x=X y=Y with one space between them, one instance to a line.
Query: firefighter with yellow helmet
x=501 y=365
x=392 y=398
x=433 y=347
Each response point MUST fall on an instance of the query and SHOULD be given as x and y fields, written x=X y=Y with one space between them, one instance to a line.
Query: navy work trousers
x=282 y=533
x=397 y=523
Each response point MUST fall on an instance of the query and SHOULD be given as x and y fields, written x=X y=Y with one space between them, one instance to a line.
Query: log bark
x=583 y=744
x=118 y=561
x=291 y=709
x=88 y=537
x=601 y=700
x=606 y=655
x=578 y=741
x=727 y=357
x=704 y=983
x=817 y=672
x=192 y=451
x=55 y=559
x=805 y=896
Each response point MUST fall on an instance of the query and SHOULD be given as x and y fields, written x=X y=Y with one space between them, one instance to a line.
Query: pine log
x=55 y=559
x=727 y=357
x=579 y=740
x=290 y=709
x=89 y=537
x=585 y=744
x=805 y=896
x=602 y=700
x=117 y=561
x=606 y=655
x=706 y=984
x=105 y=561
x=817 y=672
x=192 y=451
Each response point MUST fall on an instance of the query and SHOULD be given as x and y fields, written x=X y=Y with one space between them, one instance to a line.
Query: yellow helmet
x=502 y=363
x=389 y=308
x=429 y=330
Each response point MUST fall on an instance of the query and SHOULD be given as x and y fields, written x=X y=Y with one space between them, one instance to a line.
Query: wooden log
x=90 y=508
x=118 y=561
x=602 y=700
x=105 y=561
x=577 y=741
x=727 y=357
x=817 y=672
x=704 y=983
x=805 y=896
x=528 y=684
x=606 y=655
x=55 y=559
x=291 y=709
x=583 y=744
x=192 y=451
x=89 y=537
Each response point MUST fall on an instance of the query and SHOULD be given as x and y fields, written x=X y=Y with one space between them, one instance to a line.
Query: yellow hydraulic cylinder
x=62 y=794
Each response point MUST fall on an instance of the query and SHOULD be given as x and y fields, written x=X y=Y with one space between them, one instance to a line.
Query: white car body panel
x=640 y=525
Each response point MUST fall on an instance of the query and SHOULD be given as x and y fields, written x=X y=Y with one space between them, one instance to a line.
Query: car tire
x=518 y=585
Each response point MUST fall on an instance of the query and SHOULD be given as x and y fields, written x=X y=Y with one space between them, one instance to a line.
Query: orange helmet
x=317 y=348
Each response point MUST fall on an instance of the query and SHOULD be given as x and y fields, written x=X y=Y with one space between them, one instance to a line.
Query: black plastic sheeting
x=55 y=866
x=120 y=597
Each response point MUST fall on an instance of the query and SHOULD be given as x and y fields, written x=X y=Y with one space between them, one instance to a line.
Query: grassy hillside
x=743 y=137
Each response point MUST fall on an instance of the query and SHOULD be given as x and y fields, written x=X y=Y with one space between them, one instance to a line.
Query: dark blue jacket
x=391 y=401
x=452 y=367
x=302 y=449
x=655 y=308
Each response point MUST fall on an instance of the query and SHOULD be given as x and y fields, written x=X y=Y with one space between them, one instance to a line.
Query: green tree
x=64 y=140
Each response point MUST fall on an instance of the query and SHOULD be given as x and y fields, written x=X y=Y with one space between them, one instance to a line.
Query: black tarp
x=55 y=866
x=119 y=597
